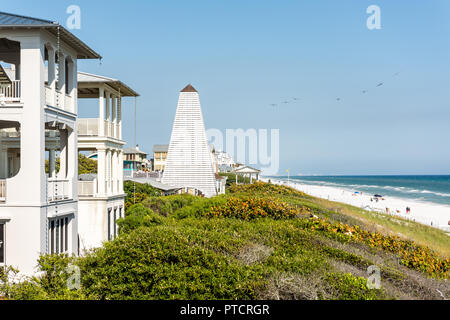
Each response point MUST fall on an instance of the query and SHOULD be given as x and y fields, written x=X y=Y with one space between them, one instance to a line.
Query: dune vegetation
x=259 y=241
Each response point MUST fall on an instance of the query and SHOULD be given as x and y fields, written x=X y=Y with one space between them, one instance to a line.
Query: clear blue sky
x=244 y=55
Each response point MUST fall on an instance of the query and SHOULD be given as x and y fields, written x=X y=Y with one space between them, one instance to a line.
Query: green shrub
x=138 y=216
x=166 y=206
x=162 y=263
x=348 y=287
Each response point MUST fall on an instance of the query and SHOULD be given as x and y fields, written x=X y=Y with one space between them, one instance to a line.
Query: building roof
x=246 y=169
x=90 y=82
x=154 y=183
x=14 y=21
x=133 y=151
x=189 y=88
x=161 y=148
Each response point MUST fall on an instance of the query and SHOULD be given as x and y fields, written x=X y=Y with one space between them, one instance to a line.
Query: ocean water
x=435 y=189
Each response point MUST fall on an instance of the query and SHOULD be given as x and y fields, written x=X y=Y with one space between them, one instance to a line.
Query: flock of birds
x=337 y=99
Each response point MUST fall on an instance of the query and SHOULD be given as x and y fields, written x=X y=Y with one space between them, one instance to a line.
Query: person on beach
x=388 y=211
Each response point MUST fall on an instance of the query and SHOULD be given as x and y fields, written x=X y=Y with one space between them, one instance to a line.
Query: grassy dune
x=258 y=241
x=424 y=235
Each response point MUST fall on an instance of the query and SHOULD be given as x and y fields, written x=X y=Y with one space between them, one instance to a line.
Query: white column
x=114 y=116
x=113 y=108
x=108 y=112
x=63 y=154
x=101 y=171
x=108 y=171
x=119 y=116
x=51 y=75
x=120 y=168
x=72 y=162
x=114 y=171
x=51 y=163
x=61 y=80
x=101 y=112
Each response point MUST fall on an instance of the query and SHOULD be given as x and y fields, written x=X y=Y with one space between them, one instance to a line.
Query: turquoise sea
x=435 y=189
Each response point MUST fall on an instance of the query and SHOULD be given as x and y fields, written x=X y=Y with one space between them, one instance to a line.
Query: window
x=109 y=224
x=115 y=224
x=59 y=235
x=2 y=243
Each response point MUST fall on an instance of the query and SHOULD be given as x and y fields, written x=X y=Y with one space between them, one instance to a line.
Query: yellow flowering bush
x=251 y=208
x=266 y=188
x=411 y=254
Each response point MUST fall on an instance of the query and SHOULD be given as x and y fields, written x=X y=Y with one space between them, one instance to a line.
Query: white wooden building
x=101 y=196
x=38 y=121
x=189 y=162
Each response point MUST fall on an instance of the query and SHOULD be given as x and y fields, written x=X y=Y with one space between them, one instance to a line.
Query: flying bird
x=273 y=105
x=338 y=99
x=380 y=84
x=364 y=91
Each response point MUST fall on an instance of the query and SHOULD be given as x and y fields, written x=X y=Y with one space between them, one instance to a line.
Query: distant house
x=220 y=183
x=224 y=162
x=134 y=160
x=160 y=156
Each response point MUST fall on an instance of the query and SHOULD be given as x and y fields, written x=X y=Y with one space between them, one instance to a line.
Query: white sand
x=431 y=214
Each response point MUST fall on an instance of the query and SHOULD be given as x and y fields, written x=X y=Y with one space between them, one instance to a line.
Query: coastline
x=427 y=213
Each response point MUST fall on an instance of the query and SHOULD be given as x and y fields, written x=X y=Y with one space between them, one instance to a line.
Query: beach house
x=101 y=195
x=160 y=156
x=135 y=160
x=38 y=122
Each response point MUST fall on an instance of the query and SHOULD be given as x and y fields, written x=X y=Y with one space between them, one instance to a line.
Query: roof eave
x=83 y=50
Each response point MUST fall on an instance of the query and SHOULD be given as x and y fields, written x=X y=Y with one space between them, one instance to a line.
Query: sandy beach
x=431 y=214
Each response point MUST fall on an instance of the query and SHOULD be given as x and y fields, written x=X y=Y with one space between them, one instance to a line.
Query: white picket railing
x=11 y=92
x=2 y=190
x=58 y=190
x=87 y=188
x=88 y=127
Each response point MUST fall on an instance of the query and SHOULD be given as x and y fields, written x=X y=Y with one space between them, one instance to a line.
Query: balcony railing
x=91 y=127
x=10 y=93
x=58 y=190
x=88 y=127
x=87 y=188
x=2 y=190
